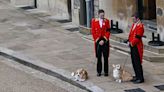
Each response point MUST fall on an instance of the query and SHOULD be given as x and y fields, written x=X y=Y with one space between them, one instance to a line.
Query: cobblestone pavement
x=34 y=34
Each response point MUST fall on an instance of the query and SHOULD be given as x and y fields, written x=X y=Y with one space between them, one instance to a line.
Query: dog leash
x=125 y=62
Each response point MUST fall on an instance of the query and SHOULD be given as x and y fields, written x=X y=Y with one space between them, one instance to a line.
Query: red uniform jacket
x=135 y=38
x=98 y=32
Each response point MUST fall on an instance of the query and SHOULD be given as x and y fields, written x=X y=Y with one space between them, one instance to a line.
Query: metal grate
x=134 y=90
x=64 y=21
x=27 y=7
x=160 y=87
x=73 y=29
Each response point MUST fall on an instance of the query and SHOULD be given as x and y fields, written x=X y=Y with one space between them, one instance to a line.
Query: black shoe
x=134 y=79
x=106 y=74
x=138 y=81
x=98 y=74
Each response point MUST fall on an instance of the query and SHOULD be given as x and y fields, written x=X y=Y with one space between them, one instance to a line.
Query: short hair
x=136 y=15
x=100 y=11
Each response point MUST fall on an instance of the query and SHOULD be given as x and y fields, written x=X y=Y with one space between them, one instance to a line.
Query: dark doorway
x=69 y=9
x=140 y=8
x=147 y=9
x=83 y=16
x=151 y=9
x=35 y=3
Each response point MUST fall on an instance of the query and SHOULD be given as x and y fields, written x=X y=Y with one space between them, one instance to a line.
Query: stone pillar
x=76 y=11
x=96 y=8
x=160 y=18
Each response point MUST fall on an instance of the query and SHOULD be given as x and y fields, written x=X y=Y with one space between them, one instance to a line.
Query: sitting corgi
x=121 y=74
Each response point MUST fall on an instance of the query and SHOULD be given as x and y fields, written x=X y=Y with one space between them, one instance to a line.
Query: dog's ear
x=114 y=65
x=72 y=74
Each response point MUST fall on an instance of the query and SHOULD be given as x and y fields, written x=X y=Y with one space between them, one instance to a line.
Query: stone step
x=154 y=49
x=149 y=56
x=121 y=46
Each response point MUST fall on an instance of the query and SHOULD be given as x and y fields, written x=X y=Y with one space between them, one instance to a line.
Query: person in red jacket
x=136 y=48
x=101 y=34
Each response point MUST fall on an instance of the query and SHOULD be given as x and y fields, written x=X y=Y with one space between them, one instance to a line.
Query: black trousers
x=136 y=62
x=102 y=50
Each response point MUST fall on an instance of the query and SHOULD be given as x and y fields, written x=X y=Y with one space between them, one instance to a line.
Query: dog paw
x=81 y=80
x=75 y=79
x=119 y=81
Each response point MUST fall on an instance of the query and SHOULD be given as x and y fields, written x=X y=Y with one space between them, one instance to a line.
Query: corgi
x=120 y=74
x=80 y=75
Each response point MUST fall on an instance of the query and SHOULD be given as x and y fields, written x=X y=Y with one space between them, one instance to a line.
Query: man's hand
x=101 y=42
x=131 y=44
x=128 y=43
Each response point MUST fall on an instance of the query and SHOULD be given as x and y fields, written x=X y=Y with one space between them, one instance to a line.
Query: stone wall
x=96 y=8
x=58 y=8
x=75 y=11
x=160 y=18
x=119 y=10
x=20 y=3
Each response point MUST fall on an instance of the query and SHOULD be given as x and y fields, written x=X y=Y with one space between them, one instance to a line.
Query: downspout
x=88 y=12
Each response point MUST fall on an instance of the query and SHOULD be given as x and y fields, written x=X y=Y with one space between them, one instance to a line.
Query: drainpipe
x=88 y=10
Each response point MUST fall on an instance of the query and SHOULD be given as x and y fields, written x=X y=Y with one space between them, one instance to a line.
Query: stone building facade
x=160 y=17
x=151 y=11
x=59 y=8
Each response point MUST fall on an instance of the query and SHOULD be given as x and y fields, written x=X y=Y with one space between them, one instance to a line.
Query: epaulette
x=106 y=19
x=140 y=24
x=96 y=19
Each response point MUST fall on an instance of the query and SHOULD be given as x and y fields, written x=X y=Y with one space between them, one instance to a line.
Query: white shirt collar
x=135 y=24
x=100 y=22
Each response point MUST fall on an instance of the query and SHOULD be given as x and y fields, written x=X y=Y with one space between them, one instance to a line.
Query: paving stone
x=51 y=43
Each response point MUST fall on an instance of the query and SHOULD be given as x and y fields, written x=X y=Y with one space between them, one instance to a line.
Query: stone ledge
x=148 y=56
x=122 y=37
